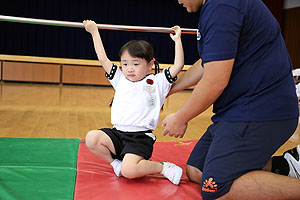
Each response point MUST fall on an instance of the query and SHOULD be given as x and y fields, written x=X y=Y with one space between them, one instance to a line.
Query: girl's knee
x=129 y=171
x=91 y=139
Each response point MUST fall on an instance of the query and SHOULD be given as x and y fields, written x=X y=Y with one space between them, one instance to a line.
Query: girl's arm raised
x=91 y=27
x=179 y=55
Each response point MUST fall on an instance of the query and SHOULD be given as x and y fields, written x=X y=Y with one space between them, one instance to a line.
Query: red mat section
x=96 y=179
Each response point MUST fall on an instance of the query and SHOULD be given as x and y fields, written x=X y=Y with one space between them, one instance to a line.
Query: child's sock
x=116 y=164
x=172 y=172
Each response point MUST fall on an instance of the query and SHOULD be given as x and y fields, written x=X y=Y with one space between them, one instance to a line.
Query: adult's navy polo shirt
x=261 y=86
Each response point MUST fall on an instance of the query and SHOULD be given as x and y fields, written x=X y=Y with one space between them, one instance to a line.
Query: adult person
x=246 y=74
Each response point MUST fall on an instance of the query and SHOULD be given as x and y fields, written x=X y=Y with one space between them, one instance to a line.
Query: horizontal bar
x=100 y=26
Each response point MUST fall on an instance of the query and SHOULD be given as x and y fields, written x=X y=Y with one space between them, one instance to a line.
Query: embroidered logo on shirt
x=150 y=81
x=209 y=185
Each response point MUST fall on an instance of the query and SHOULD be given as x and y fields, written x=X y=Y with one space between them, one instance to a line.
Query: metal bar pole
x=100 y=26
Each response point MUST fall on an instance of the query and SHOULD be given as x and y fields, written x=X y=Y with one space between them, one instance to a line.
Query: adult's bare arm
x=215 y=78
x=190 y=78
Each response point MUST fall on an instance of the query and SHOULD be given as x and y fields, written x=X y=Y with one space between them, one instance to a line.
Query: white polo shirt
x=136 y=105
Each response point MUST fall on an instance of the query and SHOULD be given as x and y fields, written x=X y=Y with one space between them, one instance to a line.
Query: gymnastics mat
x=36 y=168
x=96 y=179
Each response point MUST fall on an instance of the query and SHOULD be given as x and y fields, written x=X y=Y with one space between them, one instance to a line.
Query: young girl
x=135 y=110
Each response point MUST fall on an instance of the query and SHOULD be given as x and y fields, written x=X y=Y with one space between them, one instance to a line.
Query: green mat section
x=37 y=168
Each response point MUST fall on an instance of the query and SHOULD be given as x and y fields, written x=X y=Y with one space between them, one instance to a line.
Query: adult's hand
x=174 y=126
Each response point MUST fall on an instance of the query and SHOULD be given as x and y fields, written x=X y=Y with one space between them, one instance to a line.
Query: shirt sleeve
x=169 y=77
x=221 y=31
x=114 y=75
x=165 y=82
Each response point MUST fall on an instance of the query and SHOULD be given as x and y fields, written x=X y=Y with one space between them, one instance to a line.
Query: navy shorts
x=229 y=150
x=138 y=143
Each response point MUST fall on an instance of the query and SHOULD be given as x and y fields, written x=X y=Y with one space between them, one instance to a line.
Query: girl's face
x=135 y=69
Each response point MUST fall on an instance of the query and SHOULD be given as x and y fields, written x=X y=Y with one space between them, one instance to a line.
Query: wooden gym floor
x=67 y=111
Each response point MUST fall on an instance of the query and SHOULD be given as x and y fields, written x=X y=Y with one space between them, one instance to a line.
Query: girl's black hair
x=138 y=48
x=156 y=68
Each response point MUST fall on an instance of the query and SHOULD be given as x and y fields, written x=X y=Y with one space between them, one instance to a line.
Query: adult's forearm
x=190 y=78
x=215 y=79
x=202 y=97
